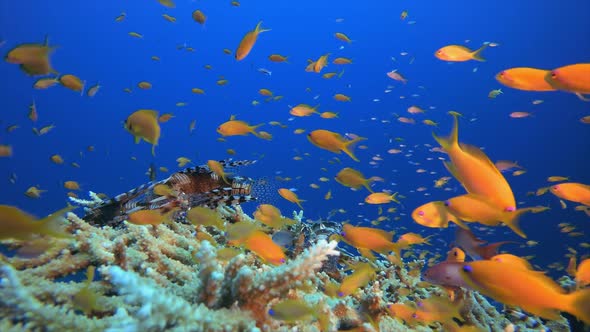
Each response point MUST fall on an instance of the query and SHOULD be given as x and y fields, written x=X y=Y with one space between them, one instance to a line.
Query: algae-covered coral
x=169 y=277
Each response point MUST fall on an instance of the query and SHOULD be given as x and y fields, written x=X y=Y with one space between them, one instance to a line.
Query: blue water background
x=94 y=47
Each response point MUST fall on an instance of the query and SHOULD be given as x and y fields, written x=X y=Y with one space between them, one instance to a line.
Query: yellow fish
x=248 y=42
x=143 y=124
x=333 y=142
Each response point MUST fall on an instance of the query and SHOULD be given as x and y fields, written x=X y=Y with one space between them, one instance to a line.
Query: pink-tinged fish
x=446 y=274
x=394 y=75
x=474 y=247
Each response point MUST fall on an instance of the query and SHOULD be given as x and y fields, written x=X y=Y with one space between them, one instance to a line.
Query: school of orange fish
x=488 y=198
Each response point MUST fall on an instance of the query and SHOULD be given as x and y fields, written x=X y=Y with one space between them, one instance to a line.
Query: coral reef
x=172 y=277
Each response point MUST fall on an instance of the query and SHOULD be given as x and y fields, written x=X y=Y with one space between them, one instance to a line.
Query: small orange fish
x=32 y=58
x=381 y=198
x=572 y=78
x=333 y=142
x=457 y=53
x=217 y=168
x=199 y=17
x=263 y=246
x=19 y=225
x=525 y=78
x=143 y=124
x=572 y=191
x=362 y=275
x=352 y=178
x=342 y=37
x=435 y=215
x=248 y=42
x=149 y=217
x=366 y=239
x=291 y=196
x=277 y=58
x=238 y=128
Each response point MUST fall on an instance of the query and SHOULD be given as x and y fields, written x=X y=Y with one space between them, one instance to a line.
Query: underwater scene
x=251 y=165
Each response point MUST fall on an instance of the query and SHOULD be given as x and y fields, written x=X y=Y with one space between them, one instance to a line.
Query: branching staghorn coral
x=163 y=277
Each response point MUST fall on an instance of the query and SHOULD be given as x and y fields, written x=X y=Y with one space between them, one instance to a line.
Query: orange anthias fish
x=470 y=166
x=573 y=78
x=19 y=225
x=352 y=178
x=333 y=142
x=362 y=275
x=473 y=208
x=263 y=245
x=143 y=124
x=149 y=217
x=248 y=42
x=435 y=215
x=525 y=78
x=291 y=197
x=572 y=191
x=32 y=58
x=381 y=198
x=530 y=290
x=271 y=216
x=86 y=299
x=366 y=239
x=458 y=53
x=238 y=128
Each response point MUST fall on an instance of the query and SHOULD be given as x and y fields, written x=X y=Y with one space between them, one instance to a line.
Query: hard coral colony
x=181 y=254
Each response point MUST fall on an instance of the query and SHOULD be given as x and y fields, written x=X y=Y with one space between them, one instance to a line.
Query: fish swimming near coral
x=195 y=186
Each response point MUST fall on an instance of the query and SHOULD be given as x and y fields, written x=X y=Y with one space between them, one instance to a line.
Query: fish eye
x=340 y=294
x=510 y=209
x=501 y=74
x=282 y=260
x=447 y=203
x=421 y=213
x=553 y=74
x=343 y=233
x=467 y=268
x=271 y=312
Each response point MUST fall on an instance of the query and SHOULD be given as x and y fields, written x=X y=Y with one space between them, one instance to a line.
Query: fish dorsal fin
x=477 y=153
x=387 y=235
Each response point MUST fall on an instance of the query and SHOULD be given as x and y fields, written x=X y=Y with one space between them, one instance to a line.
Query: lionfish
x=194 y=186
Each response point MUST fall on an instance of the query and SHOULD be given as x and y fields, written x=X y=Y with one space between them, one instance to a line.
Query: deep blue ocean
x=92 y=46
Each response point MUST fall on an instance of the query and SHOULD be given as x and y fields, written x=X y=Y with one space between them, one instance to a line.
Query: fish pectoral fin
x=367 y=254
x=581 y=96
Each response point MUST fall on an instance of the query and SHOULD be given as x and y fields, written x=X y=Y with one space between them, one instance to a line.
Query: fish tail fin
x=477 y=53
x=581 y=96
x=51 y=225
x=299 y=201
x=487 y=252
x=578 y=304
x=452 y=140
x=367 y=185
x=254 y=132
x=512 y=221
x=348 y=145
x=259 y=28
